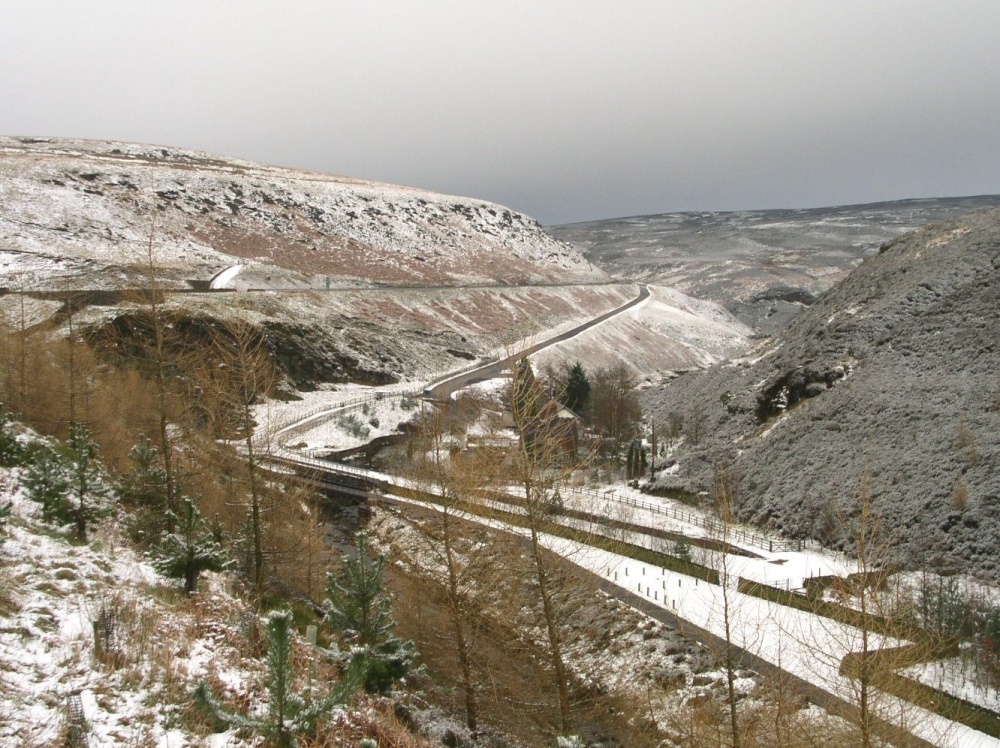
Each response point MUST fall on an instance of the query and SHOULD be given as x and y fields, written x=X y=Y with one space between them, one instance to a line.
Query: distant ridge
x=756 y=262
x=890 y=377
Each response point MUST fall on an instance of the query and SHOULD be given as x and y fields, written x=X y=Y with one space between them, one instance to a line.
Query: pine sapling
x=46 y=480
x=146 y=484
x=289 y=714
x=190 y=550
x=11 y=450
x=358 y=608
x=86 y=478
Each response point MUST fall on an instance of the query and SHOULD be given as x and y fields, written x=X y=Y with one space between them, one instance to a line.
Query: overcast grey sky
x=567 y=110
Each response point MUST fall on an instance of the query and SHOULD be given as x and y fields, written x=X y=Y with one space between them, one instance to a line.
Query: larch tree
x=537 y=462
x=238 y=374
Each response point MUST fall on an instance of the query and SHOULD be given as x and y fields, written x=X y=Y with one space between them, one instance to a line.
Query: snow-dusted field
x=667 y=332
x=806 y=645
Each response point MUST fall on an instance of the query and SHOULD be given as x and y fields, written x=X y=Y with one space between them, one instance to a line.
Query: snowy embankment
x=700 y=333
x=667 y=332
x=225 y=278
x=806 y=645
x=59 y=598
x=53 y=592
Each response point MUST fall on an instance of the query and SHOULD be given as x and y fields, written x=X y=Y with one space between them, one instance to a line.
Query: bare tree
x=458 y=480
x=614 y=403
x=724 y=498
x=238 y=374
x=159 y=372
x=539 y=463
x=869 y=628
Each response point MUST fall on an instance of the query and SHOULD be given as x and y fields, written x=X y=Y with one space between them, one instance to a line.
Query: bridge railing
x=286 y=428
x=713 y=526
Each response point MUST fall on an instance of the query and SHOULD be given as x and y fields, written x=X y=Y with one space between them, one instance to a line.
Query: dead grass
x=8 y=583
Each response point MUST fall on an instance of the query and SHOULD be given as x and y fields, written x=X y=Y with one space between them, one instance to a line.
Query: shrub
x=185 y=554
x=11 y=451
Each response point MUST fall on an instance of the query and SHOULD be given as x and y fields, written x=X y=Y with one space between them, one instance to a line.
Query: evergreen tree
x=4 y=516
x=10 y=449
x=190 y=550
x=289 y=714
x=577 y=392
x=144 y=487
x=682 y=548
x=146 y=484
x=46 y=480
x=86 y=478
x=358 y=608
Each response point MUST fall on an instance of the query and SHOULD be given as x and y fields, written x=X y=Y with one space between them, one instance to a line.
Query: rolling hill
x=80 y=214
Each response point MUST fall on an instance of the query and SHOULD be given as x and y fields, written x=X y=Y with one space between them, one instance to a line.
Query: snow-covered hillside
x=80 y=214
x=666 y=333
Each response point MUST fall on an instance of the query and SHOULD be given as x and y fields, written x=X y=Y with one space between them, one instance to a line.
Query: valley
x=798 y=406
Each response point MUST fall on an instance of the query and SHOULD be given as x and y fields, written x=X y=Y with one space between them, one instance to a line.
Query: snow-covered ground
x=614 y=648
x=51 y=593
x=806 y=645
x=957 y=676
x=79 y=213
x=138 y=692
x=667 y=332
x=350 y=421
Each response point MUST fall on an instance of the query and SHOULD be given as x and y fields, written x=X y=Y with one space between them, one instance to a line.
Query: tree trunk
x=458 y=622
x=551 y=624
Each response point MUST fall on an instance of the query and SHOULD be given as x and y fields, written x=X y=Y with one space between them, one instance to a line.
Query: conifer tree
x=145 y=485
x=46 y=481
x=191 y=549
x=577 y=395
x=10 y=448
x=86 y=478
x=289 y=714
x=358 y=608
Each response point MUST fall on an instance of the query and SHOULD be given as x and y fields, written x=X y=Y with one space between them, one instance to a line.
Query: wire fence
x=716 y=528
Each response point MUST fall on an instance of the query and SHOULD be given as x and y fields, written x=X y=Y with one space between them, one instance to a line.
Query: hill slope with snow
x=80 y=214
x=891 y=375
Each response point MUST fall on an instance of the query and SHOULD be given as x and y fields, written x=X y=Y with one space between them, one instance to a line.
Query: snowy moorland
x=82 y=214
x=764 y=266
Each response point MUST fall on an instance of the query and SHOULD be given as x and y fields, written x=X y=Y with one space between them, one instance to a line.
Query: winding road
x=443 y=390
